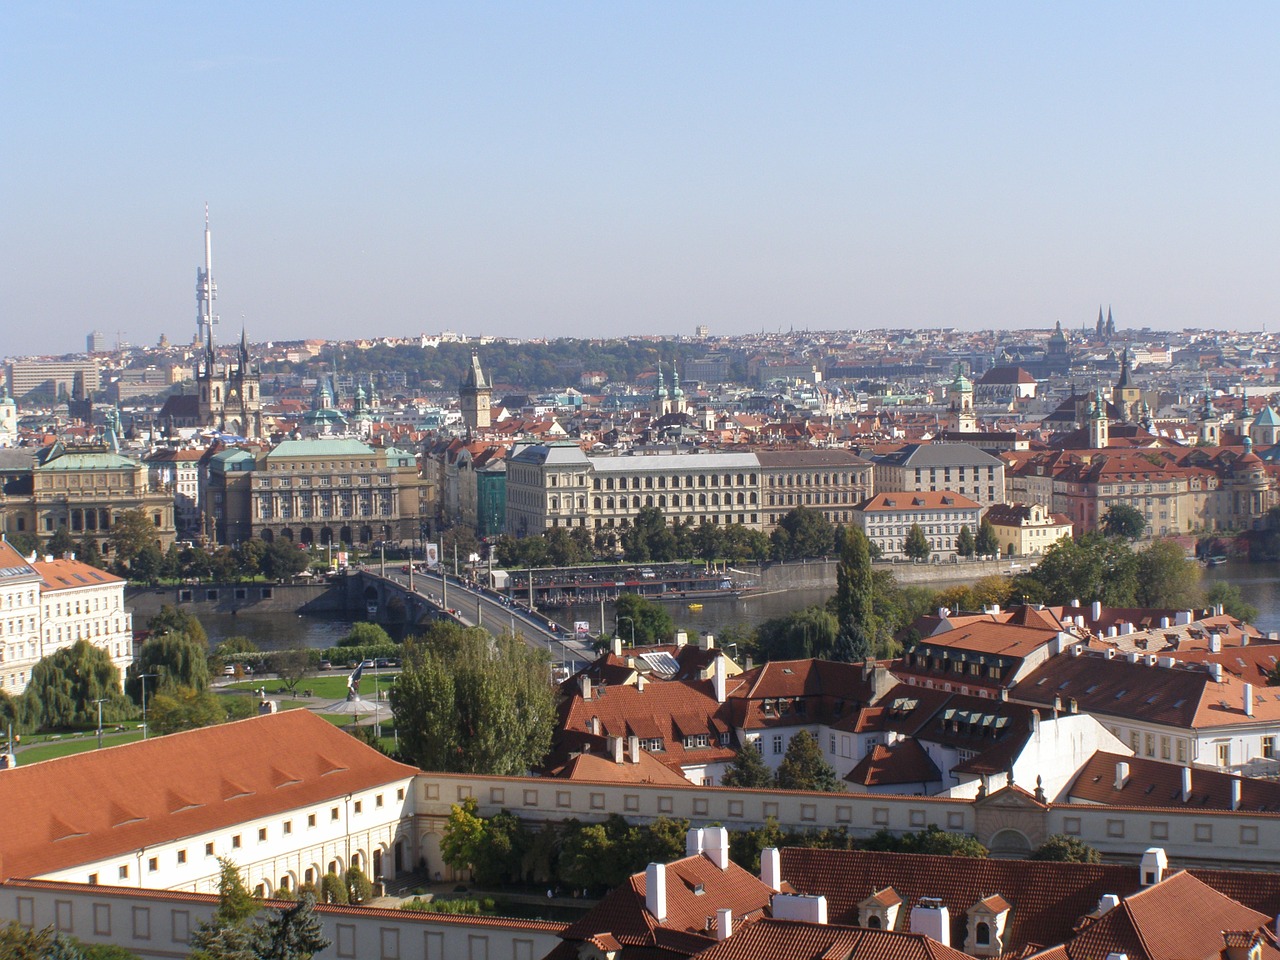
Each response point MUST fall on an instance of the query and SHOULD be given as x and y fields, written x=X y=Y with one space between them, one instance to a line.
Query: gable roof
x=768 y=938
x=103 y=803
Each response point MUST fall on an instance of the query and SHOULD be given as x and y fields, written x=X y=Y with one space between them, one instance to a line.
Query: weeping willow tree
x=66 y=685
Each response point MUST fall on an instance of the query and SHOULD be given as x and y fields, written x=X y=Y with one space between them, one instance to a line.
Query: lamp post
x=633 y=627
x=144 y=677
x=100 y=703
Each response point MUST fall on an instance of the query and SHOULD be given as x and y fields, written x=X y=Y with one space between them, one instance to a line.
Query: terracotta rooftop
x=771 y=939
x=1151 y=783
x=904 y=763
x=115 y=801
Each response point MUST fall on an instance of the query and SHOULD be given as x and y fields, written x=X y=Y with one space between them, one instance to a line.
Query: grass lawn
x=326 y=687
x=64 y=748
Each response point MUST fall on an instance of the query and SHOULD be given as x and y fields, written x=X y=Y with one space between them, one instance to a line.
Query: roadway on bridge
x=475 y=608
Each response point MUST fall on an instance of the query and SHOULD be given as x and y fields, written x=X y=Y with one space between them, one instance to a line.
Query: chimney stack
x=640 y=683
x=1122 y=774
x=1236 y=788
x=1153 y=866
x=708 y=642
x=931 y=917
x=1186 y=784
x=617 y=646
x=1215 y=643
x=1095 y=611
x=681 y=638
x=1248 y=699
x=724 y=923
x=633 y=748
x=693 y=840
x=771 y=868
x=715 y=846
x=795 y=906
x=584 y=684
x=655 y=890
x=615 y=747
x=720 y=679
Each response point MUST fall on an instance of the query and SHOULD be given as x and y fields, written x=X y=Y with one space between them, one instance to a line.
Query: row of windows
x=660 y=482
x=816 y=479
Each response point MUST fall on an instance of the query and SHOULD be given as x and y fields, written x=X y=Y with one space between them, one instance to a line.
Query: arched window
x=873 y=921
x=982 y=934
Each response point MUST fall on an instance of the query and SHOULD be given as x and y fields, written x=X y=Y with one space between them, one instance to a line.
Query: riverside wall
x=821 y=574
x=323 y=597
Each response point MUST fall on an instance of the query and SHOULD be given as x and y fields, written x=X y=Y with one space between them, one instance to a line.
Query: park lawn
x=331 y=687
x=64 y=748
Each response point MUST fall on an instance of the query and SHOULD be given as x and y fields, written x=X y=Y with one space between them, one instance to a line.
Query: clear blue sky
x=555 y=168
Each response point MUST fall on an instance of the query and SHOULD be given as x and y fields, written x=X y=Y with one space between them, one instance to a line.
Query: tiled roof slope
x=104 y=803
x=904 y=763
x=1152 y=783
x=1181 y=917
x=771 y=939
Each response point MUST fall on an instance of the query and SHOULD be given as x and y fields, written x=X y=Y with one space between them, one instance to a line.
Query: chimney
x=1107 y=903
x=1186 y=784
x=1215 y=670
x=771 y=868
x=655 y=890
x=1122 y=774
x=708 y=642
x=1235 y=793
x=1248 y=699
x=616 y=646
x=931 y=917
x=1183 y=617
x=720 y=679
x=633 y=748
x=594 y=726
x=615 y=747
x=693 y=840
x=724 y=923
x=1004 y=694
x=681 y=638
x=584 y=684
x=943 y=613
x=1215 y=642
x=1164 y=623
x=1153 y=866
x=715 y=846
x=1057 y=704
x=1095 y=611
x=640 y=683
x=795 y=906
x=1072 y=705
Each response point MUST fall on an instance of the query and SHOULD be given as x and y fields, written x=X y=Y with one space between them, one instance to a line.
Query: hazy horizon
x=570 y=169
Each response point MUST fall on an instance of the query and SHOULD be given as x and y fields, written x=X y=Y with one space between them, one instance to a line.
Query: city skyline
x=571 y=170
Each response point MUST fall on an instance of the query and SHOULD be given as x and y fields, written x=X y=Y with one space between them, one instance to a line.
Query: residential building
x=887 y=519
x=942 y=467
x=23 y=639
x=52 y=377
x=178 y=471
x=80 y=602
x=1026 y=529
x=831 y=482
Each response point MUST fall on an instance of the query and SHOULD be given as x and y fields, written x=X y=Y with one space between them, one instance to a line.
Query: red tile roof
x=104 y=803
x=70 y=574
x=794 y=939
x=904 y=763
x=1155 y=784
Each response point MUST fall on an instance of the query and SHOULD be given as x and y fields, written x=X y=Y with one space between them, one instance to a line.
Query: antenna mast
x=206 y=290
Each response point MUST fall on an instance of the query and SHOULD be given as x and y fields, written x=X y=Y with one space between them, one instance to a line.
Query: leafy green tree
x=651 y=621
x=965 y=543
x=66 y=684
x=359 y=888
x=473 y=703
x=803 y=532
x=1122 y=520
x=854 y=599
x=804 y=768
x=1165 y=577
x=1233 y=602
x=282 y=560
x=18 y=942
x=708 y=541
x=932 y=840
x=801 y=635
x=175 y=659
x=293 y=933
x=494 y=848
x=228 y=934
x=131 y=530
x=147 y=565
x=562 y=549
x=1090 y=568
x=333 y=890
x=249 y=554
x=291 y=666
x=171 y=619
x=1066 y=849
x=60 y=543
x=748 y=769
x=745 y=846
x=649 y=538
x=25 y=543
x=916 y=545
x=183 y=708
x=987 y=543
x=364 y=634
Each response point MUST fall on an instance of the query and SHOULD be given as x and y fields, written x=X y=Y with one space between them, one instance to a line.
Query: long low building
x=558 y=485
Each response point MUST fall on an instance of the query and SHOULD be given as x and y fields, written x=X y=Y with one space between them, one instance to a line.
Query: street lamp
x=633 y=627
x=99 y=703
x=144 y=677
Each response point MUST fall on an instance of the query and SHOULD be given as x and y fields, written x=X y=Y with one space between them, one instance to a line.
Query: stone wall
x=819 y=574
x=257 y=597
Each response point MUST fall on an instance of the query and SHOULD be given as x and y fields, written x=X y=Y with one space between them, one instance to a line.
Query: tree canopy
x=1124 y=521
x=803 y=532
x=916 y=545
x=175 y=659
x=804 y=768
x=651 y=621
x=747 y=769
x=66 y=684
x=472 y=703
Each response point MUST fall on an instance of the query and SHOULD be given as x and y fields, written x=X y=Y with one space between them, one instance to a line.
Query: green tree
x=175 y=659
x=804 y=768
x=249 y=554
x=364 y=634
x=651 y=621
x=60 y=543
x=282 y=560
x=65 y=686
x=228 y=934
x=854 y=599
x=801 y=635
x=131 y=530
x=965 y=544
x=473 y=703
x=494 y=849
x=649 y=538
x=1066 y=849
x=1090 y=568
x=333 y=890
x=932 y=840
x=183 y=708
x=1122 y=520
x=1233 y=602
x=291 y=666
x=987 y=543
x=708 y=541
x=803 y=532
x=293 y=933
x=916 y=545
x=747 y=769
x=171 y=619
x=88 y=551
x=1166 y=578
x=359 y=888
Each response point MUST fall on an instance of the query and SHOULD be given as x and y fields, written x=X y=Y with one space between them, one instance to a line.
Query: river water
x=1258 y=582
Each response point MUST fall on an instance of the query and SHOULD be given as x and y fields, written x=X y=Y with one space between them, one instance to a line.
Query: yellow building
x=1026 y=529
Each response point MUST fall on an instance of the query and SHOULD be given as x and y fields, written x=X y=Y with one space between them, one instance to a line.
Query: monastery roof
x=768 y=938
x=906 y=762
x=71 y=574
x=112 y=802
x=1152 y=783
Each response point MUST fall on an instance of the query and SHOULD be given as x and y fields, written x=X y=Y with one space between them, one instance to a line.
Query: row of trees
x=803 y=768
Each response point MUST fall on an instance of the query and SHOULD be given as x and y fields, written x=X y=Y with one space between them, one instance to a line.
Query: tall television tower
x=206 y=291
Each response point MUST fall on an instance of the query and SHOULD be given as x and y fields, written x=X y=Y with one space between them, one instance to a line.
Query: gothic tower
x=475 y=394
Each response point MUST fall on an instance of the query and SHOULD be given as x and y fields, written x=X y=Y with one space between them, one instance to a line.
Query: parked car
x=229 y=670
x=326 y=665
x=367 y=664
